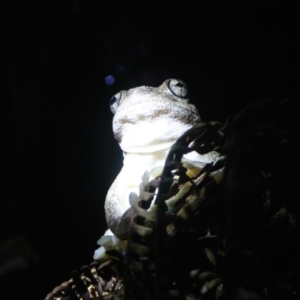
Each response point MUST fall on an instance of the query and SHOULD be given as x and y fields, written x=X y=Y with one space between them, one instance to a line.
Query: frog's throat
x=149 y=149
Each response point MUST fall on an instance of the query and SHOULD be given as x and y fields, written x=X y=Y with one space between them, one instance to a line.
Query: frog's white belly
x=135 y=165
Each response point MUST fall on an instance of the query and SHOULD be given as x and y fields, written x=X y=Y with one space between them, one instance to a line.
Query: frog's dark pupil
x=113 y=100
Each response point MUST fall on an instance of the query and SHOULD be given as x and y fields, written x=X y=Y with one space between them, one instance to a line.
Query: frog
x=147 y=121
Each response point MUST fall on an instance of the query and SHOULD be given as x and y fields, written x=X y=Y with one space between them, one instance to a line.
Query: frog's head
x=148 y=119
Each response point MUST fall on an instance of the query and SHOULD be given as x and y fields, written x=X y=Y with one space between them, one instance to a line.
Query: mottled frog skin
x=147 y=121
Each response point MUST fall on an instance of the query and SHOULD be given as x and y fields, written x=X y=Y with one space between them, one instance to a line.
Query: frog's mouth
x=152 y=110
x=186 y=116
x=144 y=106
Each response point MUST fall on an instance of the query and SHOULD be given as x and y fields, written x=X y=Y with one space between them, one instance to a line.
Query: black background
x=59 y=155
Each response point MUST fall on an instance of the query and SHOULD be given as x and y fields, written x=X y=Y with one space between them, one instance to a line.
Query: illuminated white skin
x=147 y=121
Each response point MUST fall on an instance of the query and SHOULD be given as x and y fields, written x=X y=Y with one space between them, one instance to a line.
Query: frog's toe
x=133 y=198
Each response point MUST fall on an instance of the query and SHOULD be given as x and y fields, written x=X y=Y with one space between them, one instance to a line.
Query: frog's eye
x=178 y=88
x=114 y=102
